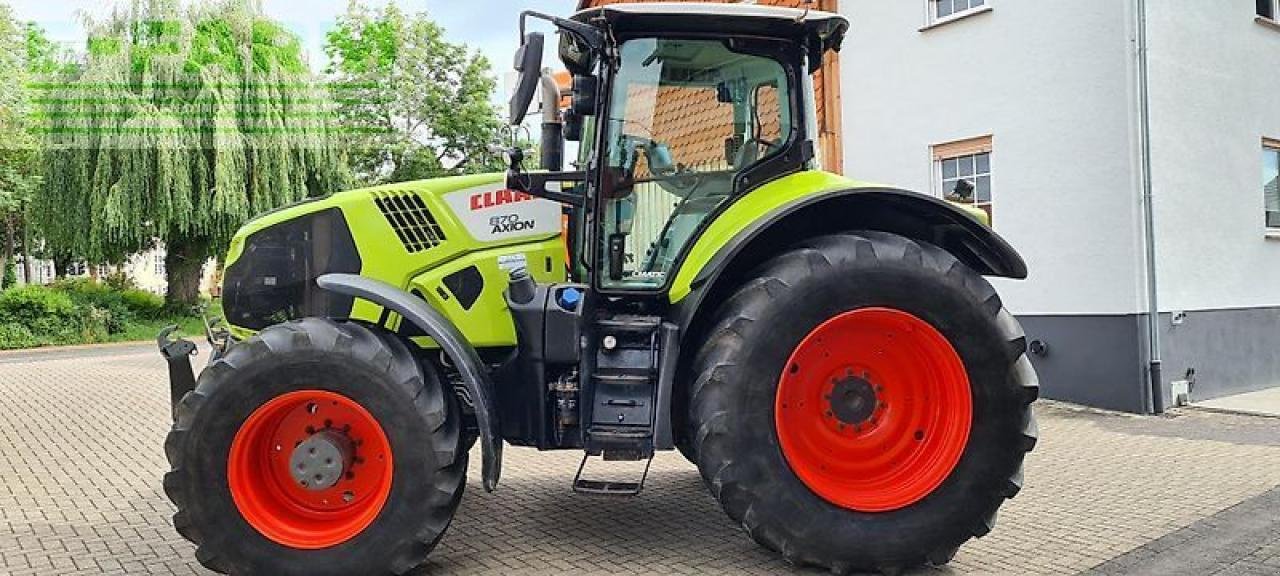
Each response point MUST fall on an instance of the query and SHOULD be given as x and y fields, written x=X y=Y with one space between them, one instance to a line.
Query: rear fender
x=913 y=215
x=434 y=324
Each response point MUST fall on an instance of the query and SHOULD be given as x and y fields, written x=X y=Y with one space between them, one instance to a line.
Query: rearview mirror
x=576 y=54
x=528 y=64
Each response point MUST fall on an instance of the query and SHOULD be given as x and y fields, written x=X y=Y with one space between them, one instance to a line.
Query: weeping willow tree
x=179 y=126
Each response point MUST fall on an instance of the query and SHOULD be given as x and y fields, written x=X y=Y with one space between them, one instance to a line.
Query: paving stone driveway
x=81 y=460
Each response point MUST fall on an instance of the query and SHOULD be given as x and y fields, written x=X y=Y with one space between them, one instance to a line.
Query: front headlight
x=273 y=279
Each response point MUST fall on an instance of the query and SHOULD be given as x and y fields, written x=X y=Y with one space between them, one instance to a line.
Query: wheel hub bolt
x=320 y=461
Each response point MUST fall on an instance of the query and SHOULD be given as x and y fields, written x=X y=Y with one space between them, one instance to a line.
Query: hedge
x=77 y=311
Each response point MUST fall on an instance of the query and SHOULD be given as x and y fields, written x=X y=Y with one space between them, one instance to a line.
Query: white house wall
x=1215 y=83
x=1054 y=87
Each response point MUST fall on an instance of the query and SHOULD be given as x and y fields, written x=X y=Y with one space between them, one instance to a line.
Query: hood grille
x=412 y=221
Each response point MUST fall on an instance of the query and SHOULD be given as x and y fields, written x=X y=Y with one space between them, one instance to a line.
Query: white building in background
x=146 y=269
x=1041 y=105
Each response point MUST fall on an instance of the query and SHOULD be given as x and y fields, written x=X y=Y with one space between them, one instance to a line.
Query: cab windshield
x=685 y=118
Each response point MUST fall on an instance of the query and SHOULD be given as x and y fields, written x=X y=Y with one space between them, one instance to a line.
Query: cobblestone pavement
x=81 y=460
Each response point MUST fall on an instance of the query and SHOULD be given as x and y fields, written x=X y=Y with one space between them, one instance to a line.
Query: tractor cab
x=678 y=109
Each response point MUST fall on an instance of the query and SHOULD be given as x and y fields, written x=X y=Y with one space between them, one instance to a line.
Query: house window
x=962 y=172
x=944 y=9
x=1271 y=182
x=1268 y=8
x=157 y=263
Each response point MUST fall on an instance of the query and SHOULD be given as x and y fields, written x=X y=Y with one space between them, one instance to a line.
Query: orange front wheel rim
x=310 y=469
x=873 y=410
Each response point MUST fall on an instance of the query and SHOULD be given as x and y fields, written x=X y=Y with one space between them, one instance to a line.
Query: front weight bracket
x=177 y=352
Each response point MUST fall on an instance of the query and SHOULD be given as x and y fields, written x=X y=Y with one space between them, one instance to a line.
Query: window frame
x=1272 y=146
x=940 y=153
x=931 y=18
x=1272 y=21
x=1275 y=11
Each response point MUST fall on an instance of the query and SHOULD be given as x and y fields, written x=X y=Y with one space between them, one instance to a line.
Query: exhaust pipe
x=552 y=159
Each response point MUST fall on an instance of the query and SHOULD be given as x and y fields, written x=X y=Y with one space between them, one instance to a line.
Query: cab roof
x=726 y=19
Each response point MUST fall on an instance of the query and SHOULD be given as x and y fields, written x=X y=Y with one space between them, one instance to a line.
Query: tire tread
x=711 y=381
x=379 y=349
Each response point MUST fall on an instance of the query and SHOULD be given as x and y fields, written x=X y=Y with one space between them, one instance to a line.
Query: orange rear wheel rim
x=273 y=496
x=873 y=410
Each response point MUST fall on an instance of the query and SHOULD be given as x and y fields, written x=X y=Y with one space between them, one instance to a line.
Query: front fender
x=434 y=324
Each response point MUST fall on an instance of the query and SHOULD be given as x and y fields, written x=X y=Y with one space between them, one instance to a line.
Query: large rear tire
x=319 y=448
x=685 y=448
x=863 y=402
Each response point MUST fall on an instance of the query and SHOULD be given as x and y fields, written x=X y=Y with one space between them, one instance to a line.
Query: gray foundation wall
x=1231 y=351
x=1097 y=360
x=1090 y=360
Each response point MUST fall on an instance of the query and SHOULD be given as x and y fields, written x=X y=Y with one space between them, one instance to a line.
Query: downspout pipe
x=1155 y=389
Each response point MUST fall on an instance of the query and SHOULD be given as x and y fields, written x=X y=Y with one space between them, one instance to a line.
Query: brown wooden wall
x=826 y=84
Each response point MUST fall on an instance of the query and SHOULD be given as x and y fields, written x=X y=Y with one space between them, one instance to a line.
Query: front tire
x=316 y=447
x=863 y=402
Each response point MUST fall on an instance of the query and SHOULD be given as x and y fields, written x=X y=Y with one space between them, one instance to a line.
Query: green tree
x=19 y=148
x=418 y=106
x=180 y=125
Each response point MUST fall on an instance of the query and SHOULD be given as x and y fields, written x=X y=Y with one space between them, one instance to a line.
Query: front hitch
x=177 y=352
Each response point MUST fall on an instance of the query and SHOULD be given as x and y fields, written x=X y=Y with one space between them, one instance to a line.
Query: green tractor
x=825 y=351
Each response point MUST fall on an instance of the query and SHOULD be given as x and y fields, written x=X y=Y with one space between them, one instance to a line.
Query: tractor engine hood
x=387 y=233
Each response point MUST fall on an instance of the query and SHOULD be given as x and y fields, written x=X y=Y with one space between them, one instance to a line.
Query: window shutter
x=967 y=147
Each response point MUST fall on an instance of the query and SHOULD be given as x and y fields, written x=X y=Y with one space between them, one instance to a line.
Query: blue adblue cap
x=569 y=298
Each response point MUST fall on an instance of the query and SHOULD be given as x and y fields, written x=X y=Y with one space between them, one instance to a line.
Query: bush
x=17 y=336
x=113 y=313
x=123 y=306
x=143 y=303
x=80 y=311
x=30 y=304
x=38 y=316
x=120 y=281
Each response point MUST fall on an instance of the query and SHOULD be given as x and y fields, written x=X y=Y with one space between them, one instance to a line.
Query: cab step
x=608 y=487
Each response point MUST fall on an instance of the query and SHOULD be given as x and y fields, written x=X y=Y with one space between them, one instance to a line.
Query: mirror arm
x=536 y=184
x=587 y=32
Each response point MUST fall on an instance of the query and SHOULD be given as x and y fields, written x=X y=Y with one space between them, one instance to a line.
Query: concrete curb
x=49 y=353
x=73 y=348
x=1232 y=411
